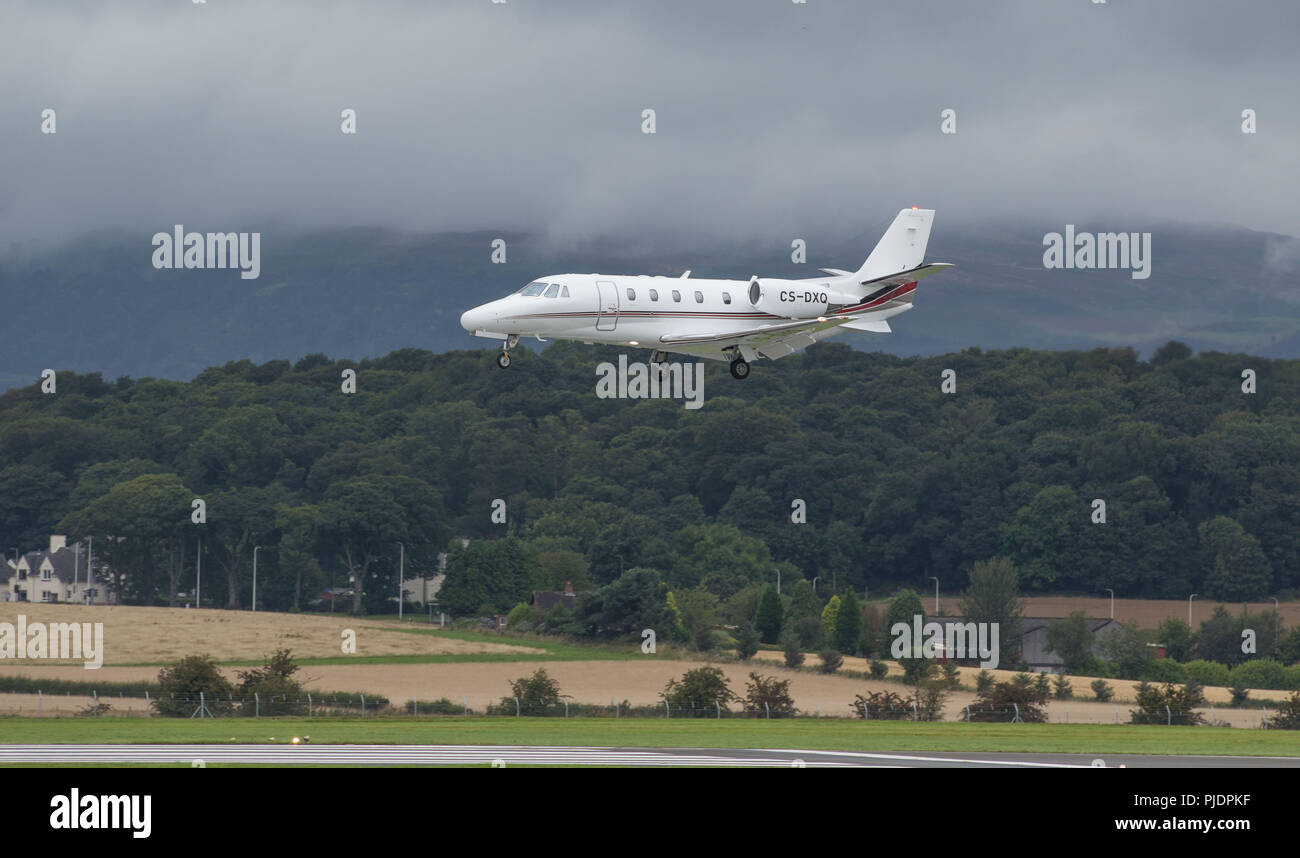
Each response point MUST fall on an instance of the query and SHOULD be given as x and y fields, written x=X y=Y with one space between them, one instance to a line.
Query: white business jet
x=732 y=320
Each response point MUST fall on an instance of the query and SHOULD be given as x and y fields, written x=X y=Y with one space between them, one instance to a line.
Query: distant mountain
x=98 y=305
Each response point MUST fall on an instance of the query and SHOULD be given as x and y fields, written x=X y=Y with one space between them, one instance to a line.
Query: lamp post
x=1189 y=608
x=256 y=548
x=198 y=575
x=778 y=582
x=1112 y=602
x=936 y=595
x=815 y=580
x=401 y=572
x=1275 y=609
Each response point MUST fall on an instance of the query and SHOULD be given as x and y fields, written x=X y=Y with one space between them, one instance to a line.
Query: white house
x=59 y=574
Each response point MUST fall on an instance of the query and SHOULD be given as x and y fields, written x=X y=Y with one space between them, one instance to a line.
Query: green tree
x=993 y=596
x=1125 y=647
x=1231 y=560
x=747 y=641
x=830 y=616
x=701 y=692
x=1177 y=638
x=1071 y=638
x=770 y=615
x=848 y=624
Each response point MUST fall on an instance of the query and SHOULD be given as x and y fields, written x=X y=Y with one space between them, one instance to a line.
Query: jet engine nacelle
x=796 y=300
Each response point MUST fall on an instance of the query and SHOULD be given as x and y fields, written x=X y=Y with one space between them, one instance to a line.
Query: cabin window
x=554 y=291
x=677 y=296
x=654 y=294
x=532 y=289
x=726 y=297
x=699 y=297
x=631 y=294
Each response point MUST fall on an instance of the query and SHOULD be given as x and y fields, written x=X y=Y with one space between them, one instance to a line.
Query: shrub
x=1293 y=676
x=1000 y=701
x=810 y=632
x=271 y=689
x=747 y=641
x=1062 y=689
x=181 y=684
x=951 y=675
x=929 y=698
x=830 y=660
x=1207 y=672
x=537 y=694
x=1287 y=716
x=769 y=697
x=983 y=681
x=916 y=670
x=441 y=706
x=793 y=652
x=1260 y=673
x=1170 y=704
x=1043 y=686
x=1102 y=691
x=1164 y=670
x=882 y=706
x=700 y=692
x=879 y=670
x=1239 y=693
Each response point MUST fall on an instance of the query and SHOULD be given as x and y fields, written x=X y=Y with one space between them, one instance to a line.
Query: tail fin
x=902 y=247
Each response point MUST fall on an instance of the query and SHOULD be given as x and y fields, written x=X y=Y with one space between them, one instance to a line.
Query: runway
x=530 y=755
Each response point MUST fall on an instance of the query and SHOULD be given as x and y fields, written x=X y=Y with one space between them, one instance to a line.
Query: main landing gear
x=740 y=368
x=503 y=359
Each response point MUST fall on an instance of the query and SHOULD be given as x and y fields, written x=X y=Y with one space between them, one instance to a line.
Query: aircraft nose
x=475 y=319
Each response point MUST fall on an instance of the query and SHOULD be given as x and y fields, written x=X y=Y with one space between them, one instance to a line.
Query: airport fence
x=328 y=705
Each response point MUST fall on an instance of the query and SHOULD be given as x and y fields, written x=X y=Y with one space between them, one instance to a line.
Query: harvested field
x=134 y=635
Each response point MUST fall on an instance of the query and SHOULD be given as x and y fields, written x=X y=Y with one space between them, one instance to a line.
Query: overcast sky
x=773 y=118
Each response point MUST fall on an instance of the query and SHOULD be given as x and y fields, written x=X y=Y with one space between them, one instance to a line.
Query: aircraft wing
x=772 y=341
x=778 y=339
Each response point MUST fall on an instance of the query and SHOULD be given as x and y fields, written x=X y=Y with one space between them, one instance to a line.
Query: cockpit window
x=554 y=291
x=564 y=291
x=532 y=289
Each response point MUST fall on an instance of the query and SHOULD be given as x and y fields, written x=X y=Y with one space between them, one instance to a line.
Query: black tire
x=503 y=360
x=740 y=368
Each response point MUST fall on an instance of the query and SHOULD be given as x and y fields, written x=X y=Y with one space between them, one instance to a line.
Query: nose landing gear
x=503 y=359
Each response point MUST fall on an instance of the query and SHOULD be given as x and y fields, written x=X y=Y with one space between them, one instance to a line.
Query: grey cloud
x=774 y=119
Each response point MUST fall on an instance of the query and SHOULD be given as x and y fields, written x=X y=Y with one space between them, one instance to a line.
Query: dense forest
x=897 y=480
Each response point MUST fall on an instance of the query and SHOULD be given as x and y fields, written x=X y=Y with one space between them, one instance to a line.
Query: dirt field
x=153 y=635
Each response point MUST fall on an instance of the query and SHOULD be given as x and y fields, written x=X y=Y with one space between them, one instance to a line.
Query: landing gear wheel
x=503 y=360
x=740 y=368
